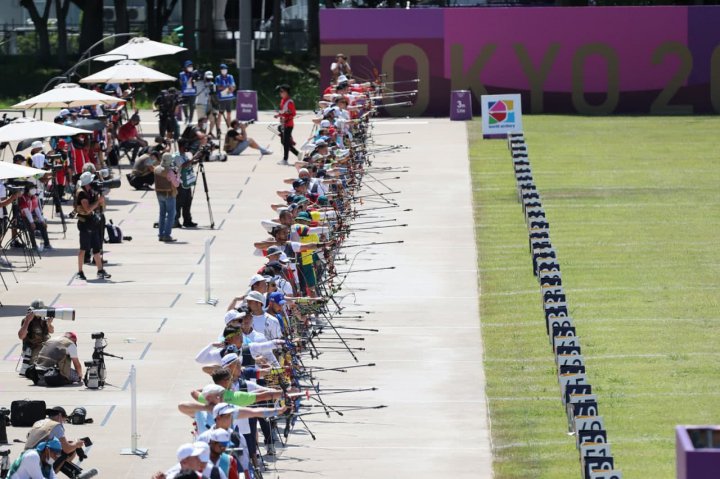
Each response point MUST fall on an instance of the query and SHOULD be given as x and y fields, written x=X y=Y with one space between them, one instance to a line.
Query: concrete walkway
x=428 y=352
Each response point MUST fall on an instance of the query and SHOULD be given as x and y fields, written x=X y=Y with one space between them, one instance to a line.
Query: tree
x=61 y=11
x=122 y=21
x=188 y=20
x=91 y=26
x=41 y=26
x=158 y=14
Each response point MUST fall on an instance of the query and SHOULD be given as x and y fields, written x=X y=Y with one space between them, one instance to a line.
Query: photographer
x=166 y=104
x=37 y=463
x=143 y=174
x=33 y=217
x=188 y=178
x=129 y=139
x=88 y=204
x=188 y=88
x=53 y=429
x=37 y=157
x=35 y=330
x=61 y=353
x=207 y=103
x=237 y=141
x=166 y=183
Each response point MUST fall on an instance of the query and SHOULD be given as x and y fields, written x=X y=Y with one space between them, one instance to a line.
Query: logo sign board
x=247 y=106
x=501 y=114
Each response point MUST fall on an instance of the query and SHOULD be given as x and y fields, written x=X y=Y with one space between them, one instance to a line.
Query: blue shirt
x=185 y=83
x=222 y=83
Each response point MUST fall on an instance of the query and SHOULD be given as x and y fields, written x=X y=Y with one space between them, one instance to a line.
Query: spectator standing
x=188 y=89
x=188 y=178
x=226 y=93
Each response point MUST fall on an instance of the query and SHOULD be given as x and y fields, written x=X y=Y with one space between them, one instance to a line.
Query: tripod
x=22 y=239
x=201 y=170
x=96 y=371
x=57 y=203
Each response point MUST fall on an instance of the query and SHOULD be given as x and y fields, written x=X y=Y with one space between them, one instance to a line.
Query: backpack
x=114 y=233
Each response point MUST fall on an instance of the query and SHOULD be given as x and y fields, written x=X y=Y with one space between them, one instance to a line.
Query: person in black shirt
x=87 y=201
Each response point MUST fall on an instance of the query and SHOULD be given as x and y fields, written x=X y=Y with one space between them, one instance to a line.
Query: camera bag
x=114 y=233
x=25 y=413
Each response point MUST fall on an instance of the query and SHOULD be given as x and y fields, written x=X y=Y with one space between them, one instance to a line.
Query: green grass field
x=634 y=211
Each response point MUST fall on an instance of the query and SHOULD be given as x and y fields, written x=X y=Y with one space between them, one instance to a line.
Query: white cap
x=256 y=279
x=212 y=389
x=256 y=295
x=284 y=258
x=204 y=447
x=232 y=315
x=86 y=178
x=228 y=359
x=325 y=124
x=64 y=112
x=36 y=144
x=223 y=408
x=209 y=74
x=189 y=450
x=220 y=435
x=342 y=78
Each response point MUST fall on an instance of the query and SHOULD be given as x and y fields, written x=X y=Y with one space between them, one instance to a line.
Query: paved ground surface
x=428 y=351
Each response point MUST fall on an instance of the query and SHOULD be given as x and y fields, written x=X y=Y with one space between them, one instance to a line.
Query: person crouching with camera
x=34 y=331
x=33 y=217
x=37 y=462
x=59 y=353
x=88 y=204
x=166 y=186
x=52 y=429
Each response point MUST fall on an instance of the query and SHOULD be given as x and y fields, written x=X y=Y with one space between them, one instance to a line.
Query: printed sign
x=460 y=105
x=501 y=114
x=247 y=107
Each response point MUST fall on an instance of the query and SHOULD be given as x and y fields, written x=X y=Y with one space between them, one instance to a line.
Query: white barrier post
x=207 y=299
x=134 y=450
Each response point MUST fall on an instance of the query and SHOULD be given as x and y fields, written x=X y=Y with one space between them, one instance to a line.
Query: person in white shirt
x=37 y=157
x=263 y=322
x=37 y=463
x=193 y=456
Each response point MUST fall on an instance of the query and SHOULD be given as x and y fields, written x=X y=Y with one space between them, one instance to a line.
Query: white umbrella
x=67 y=95
x=139 y=48
x=11 y=170
x=24 y=128
x=127 y=71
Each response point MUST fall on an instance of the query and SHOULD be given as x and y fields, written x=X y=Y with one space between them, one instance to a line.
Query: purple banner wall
x=594 y=60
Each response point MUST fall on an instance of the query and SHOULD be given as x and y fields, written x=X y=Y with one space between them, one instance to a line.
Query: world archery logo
x=501 y=113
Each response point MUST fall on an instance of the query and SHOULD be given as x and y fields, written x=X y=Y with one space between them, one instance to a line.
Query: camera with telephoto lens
x=95 y=370
x=210 y=152
x=16 y=186
x=66 y=314
x=100 y=186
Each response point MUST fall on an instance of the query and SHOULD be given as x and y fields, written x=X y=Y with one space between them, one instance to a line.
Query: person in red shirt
x=286 y=116
x=129 y=139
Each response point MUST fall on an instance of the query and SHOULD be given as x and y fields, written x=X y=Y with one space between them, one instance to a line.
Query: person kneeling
x=59 y=353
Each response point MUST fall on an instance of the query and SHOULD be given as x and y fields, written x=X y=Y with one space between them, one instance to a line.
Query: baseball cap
x=322 y=200
x=320 y=143
x=37 y=304
x=61 y=143
x=256 y=295
x=53 y=444
x=223 y=408
x=187 y=63
x=273 y=250
x=209 y=74
x=298 y=183
x=212 y=389
x=223 y=66
x=325 y=124
x=277 y=298
x=86 y=178
x=189 y=450
x=72 y=336
x=233 y=315
x=256 y=278
x=54 y=411
x=228 y=359
x=303 y=216
x=64 y=112
x=36 y=144
x=220 y=435
x=230 y=331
